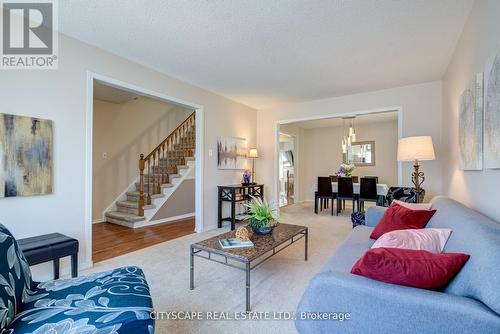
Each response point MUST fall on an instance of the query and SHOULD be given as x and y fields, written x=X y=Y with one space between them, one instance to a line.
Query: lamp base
x=418 y=178
x=253 y=172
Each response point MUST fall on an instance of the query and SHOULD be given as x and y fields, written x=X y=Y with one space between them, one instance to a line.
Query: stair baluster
x=149 y=181
x=141 y=186
x=158 y=171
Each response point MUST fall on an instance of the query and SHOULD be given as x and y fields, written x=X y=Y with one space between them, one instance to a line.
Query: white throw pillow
x=414 y=206
x=429 y=239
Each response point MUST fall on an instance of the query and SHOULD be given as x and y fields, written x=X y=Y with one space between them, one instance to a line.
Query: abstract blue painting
x=25 y=156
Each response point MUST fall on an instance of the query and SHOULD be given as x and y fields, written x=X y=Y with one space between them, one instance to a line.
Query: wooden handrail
x=157 y=173
x=192 y=116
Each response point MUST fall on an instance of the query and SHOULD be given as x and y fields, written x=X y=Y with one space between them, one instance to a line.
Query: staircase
x=160 y=173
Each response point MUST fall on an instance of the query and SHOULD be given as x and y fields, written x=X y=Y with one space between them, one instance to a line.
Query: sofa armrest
x=374 y=214
x=377 y=307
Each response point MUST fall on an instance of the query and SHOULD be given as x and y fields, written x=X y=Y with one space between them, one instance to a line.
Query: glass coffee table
x=246 y=259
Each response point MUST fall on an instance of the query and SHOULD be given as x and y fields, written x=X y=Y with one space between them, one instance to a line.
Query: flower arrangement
x=246 y=177
x=263 y=216
x=345 y=170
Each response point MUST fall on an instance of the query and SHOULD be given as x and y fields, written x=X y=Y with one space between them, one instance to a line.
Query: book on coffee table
x=234 y=243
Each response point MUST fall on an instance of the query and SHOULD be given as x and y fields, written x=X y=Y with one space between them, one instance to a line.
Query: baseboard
x=165 y=220
x=99 y=220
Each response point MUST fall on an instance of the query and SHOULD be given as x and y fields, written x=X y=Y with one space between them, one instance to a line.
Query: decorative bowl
x=263 y=230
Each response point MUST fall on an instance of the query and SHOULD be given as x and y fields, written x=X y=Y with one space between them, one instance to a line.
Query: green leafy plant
x=261 y=214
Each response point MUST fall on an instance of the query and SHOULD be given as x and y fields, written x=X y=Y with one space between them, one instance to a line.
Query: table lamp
x=416 y=149
x=253 y=154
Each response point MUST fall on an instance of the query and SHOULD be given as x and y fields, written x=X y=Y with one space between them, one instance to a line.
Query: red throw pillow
x=397 y=217
x=410 y=267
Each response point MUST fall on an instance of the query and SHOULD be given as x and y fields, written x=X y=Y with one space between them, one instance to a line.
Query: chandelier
x=349 y=133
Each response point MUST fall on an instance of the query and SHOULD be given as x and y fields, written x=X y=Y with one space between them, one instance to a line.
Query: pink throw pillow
x=413 y=206
x=429 y=239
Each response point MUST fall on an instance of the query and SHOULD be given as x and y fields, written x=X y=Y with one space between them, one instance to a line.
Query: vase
x=263 y=230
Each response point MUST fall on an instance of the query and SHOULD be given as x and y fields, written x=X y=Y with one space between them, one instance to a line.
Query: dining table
x=382 y=188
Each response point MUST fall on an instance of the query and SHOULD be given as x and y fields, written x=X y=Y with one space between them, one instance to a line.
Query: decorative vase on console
x=246 y=178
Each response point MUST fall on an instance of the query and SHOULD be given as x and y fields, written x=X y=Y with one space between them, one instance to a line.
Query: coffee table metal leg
x=248 y=285
x=191 y=270
x=306 y=243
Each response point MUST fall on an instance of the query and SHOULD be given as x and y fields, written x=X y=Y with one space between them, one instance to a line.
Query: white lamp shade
x=252 y=153
x=416 y=148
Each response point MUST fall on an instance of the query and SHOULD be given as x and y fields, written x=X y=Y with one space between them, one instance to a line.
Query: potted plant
x=262 y=216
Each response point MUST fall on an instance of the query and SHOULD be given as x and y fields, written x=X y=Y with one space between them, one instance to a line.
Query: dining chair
x=355 y=179
x=371 y=177
x=334 y=178
x=345 y=192
x=324 y=193
x=367 y=192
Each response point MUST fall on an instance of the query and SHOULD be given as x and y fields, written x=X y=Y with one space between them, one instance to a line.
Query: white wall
x=61 y=95
x=479 y=41
x=421 y=115
x=123 y=131
x=322 y=154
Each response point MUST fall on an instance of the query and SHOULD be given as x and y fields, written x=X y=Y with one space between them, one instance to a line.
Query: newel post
x=141 y=186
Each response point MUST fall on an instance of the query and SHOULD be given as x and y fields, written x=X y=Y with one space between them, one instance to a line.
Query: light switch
x=210 y=152
x=104 y=155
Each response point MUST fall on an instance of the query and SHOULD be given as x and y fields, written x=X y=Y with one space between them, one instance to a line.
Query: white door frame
x=277 y=124
x=200 y=126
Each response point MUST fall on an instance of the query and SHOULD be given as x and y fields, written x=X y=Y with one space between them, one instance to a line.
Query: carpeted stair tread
x=128 y=204
x=128 y=217
x=137 y=194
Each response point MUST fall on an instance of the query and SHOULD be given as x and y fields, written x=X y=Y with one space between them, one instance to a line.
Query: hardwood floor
x=110 y=240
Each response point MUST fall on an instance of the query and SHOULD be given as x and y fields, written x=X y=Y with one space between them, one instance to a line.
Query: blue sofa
x=110 y=302
x=469 y=304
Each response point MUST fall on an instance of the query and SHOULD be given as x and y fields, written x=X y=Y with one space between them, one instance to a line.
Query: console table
x=50 y=247
x=229 y=194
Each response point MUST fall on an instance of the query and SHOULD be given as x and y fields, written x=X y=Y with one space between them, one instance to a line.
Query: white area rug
x=276 y=286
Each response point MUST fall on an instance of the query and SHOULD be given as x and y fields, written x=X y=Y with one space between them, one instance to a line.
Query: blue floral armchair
x=110 y=302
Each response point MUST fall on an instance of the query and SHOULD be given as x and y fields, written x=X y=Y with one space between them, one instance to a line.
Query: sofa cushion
x=413 y=206
x=410 y=267
x=15 y=277
x=115 y=301
x=478 y=236
x=398 y=217
x=349 y=251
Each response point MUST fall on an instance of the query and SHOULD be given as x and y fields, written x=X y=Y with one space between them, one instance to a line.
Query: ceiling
x=111 y=94
x=267 y=52
x=361 y=119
